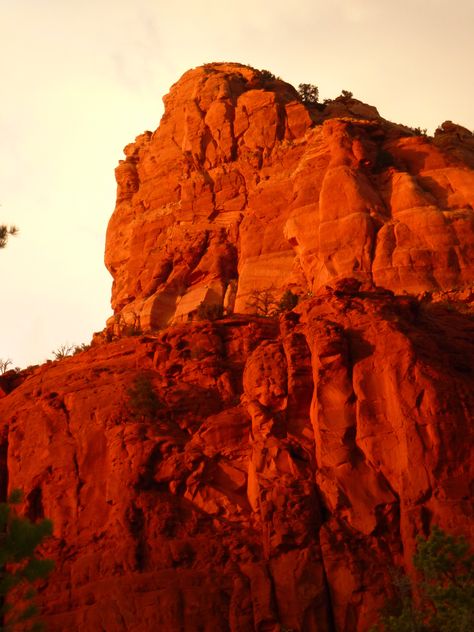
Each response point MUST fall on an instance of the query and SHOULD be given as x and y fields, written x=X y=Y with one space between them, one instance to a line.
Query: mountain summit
x=244 y=186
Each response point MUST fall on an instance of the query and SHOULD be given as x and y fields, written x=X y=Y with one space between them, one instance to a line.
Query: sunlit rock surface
x=293 y=459
x=242 y=183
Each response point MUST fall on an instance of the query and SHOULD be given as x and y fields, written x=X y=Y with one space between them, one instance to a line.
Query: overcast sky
x=81 y=78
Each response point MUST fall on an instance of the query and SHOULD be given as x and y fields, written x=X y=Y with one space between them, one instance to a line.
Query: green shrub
x=266 y=75
x=20 y=567
x=418 y=131
x=309 y=93
x=288 y=301
x=143 y=403
x=80 y=348
x=446 y=589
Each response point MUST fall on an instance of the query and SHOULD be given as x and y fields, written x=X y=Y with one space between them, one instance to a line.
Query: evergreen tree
x=20 y=567
x=445 y=593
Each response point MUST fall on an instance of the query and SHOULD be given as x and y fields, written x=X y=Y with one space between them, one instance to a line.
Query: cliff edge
x=243 y=186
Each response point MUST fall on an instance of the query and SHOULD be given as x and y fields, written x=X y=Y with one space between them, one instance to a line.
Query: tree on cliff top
x=20 y=567
x=309 y=93
x=445 y=593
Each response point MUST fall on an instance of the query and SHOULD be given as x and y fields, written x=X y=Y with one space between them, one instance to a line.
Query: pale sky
x=81 y=78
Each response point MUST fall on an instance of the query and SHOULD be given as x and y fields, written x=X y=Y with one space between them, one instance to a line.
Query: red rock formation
x=294 y=459
x=243 y=187
x=291 y=465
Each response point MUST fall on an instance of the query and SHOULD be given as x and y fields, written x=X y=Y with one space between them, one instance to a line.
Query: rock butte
x=293 y=459
x=243 y=187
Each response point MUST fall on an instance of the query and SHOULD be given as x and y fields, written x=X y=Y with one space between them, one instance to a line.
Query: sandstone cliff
x=292 y=460
x=242 y=186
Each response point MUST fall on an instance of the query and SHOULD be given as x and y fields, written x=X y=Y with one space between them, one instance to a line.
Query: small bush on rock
x=63 y=351
x=288 y=301
x=80 y=348
x=143 y=403
x=346 y=95
x=266 y=75
x=418 y=131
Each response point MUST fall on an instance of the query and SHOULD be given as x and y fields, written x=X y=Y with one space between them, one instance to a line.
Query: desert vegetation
x=5 y=233
x=143 y=403
x=65 y=350
x=345 y=95
x=443 y=599
x=5 y=365
x=309 y=93
x=266 y=75
x=20 y=566
x=264 y=302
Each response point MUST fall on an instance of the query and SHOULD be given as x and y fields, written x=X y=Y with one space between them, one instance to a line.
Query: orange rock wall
x=291 y=465
x=242 y=182
x=294 y=459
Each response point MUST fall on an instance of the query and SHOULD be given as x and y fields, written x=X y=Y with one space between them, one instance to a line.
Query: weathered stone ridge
x=244 y=187
x=292 y=463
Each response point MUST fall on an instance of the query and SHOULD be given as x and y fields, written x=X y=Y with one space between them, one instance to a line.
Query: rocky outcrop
x=272 y=470
x=289 y=467
x=243 y=186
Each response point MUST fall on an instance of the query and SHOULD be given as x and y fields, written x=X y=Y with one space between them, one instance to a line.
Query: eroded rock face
x=291 y=464
x=243 y=185
x=292 y=460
